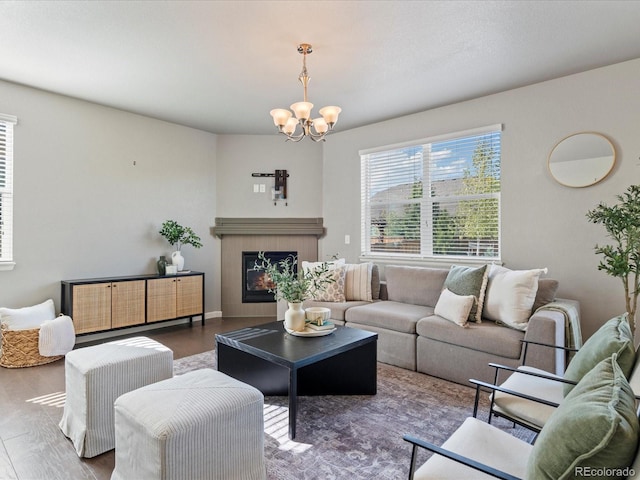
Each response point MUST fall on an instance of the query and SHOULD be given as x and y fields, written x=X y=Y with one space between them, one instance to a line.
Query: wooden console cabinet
x=100 y=304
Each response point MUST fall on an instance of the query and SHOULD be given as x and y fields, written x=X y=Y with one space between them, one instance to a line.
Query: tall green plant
x=621 y=259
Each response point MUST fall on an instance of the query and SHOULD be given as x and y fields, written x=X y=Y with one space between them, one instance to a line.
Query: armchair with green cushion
x=530 y=396
x=593 y=433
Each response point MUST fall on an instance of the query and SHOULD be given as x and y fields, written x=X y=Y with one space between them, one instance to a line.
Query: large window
x=6 y=190
x=435 y=198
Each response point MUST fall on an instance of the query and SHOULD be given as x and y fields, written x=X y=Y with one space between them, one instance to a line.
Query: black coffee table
x=277 y=363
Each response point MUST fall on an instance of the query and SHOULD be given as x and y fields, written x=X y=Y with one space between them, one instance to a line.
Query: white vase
x=294 y=317
x=178 y=259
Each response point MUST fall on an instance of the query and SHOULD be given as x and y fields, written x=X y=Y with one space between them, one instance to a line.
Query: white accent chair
x=595 y=429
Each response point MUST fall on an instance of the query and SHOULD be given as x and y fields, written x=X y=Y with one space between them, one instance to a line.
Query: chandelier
x=288 y=125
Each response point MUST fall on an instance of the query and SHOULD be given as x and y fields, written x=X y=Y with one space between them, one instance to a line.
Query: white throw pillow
x=454 y=308
x=510 y=295
x=357 y=282
x=27 y=318
x=56 y=337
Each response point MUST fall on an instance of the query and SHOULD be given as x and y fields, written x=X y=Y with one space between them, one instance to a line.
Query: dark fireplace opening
x=256 y=283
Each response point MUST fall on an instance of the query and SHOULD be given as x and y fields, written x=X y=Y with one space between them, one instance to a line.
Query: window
x=434 y=198
x=6 y=190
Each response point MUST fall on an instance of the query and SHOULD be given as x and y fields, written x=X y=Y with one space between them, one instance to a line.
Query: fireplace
x=256 y=283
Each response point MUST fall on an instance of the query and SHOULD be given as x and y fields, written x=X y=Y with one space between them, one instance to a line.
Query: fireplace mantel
x=268 y=226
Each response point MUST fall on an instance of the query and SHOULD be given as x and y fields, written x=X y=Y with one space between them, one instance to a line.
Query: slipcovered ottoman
x=96 y=376
x=203 y=424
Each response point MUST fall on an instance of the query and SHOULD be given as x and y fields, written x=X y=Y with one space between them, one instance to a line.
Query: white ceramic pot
x=178 y=260
x=294 y=318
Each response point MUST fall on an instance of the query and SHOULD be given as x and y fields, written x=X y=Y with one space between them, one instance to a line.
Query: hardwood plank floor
x=32 y=447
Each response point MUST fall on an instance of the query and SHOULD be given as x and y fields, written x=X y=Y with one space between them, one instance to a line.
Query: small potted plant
x=293 y=285
x=177 y=236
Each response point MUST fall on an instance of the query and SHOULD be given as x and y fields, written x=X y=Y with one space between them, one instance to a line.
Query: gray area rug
x=360 y=437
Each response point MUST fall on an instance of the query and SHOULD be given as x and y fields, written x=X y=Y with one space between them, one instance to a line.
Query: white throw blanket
x=57 y=336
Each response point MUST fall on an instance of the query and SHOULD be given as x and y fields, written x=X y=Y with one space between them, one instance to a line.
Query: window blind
x=434 y=198
x=6 y=187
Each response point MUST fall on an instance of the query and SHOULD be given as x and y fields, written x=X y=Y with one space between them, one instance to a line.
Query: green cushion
x=613 y=337
x=469 y=281
x=594 y=429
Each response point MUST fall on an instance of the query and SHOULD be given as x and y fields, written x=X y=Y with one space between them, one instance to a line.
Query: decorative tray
x=309 y=332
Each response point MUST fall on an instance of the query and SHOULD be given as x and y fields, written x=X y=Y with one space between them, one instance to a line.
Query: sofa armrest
x=547 y=326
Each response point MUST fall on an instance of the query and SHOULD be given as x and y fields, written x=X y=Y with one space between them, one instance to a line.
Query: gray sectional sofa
x=412 y=336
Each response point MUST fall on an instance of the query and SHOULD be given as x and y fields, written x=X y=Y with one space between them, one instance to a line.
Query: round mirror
x=582 y=159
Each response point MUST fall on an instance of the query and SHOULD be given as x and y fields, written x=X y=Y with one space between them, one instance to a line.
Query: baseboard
x=214 y=314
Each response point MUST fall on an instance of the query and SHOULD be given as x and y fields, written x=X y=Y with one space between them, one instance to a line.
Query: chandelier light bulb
x=287 y=124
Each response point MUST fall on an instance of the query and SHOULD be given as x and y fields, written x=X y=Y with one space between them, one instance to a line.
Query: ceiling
x=220 y=66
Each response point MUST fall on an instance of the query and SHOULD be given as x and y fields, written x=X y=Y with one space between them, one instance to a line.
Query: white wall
x=82 y=209
x=543 y=223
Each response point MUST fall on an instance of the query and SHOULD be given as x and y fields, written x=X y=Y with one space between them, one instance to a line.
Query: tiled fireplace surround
x=260 y=234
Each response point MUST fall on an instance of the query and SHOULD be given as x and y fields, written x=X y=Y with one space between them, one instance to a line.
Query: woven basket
x=20 y=349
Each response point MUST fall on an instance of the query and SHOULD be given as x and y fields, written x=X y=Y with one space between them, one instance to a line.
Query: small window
x=434 y=198
x=6 y=190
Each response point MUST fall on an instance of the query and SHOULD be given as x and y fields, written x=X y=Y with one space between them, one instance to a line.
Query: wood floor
x=32 y=447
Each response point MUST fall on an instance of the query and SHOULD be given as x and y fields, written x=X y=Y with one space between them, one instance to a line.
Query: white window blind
x=432 y=198
x=6 y=187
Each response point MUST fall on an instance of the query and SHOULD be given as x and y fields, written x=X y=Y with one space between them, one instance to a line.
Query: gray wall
x=543 y=223
x=83 y=210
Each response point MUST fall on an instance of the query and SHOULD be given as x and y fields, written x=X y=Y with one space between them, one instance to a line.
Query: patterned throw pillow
x=469 y=281
x=334 y=291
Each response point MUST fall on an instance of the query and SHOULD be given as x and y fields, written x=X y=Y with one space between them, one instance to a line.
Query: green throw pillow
x=612 y=337
x=469 y=281
x=594 y=431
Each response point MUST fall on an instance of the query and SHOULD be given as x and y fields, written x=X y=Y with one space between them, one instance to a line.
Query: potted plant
x=622 y=258
x=177 y=236
x=293 y=285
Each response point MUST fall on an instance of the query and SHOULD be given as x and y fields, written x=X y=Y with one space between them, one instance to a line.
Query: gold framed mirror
x=581 y=159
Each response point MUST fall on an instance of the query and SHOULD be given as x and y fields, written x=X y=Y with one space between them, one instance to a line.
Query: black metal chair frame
x=496 y=387
x=417 y=443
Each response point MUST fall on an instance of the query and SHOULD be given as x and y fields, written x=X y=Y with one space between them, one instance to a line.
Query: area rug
x=360 y=437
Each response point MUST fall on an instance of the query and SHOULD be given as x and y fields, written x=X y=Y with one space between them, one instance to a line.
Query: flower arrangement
x=290 y=284
x=178 y=235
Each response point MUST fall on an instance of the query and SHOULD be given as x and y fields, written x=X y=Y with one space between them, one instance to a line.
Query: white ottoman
x=200 y=425
x=96 y=376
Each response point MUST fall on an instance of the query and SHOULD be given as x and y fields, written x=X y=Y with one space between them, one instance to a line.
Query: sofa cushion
x=415 y=285
x=612 y=337
x=469 y=281
x=486 y=337
x=357 y=281
x=510 y=295
x=375 y=282
x=594 y=428
x=401 y=317
x=454 y=308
